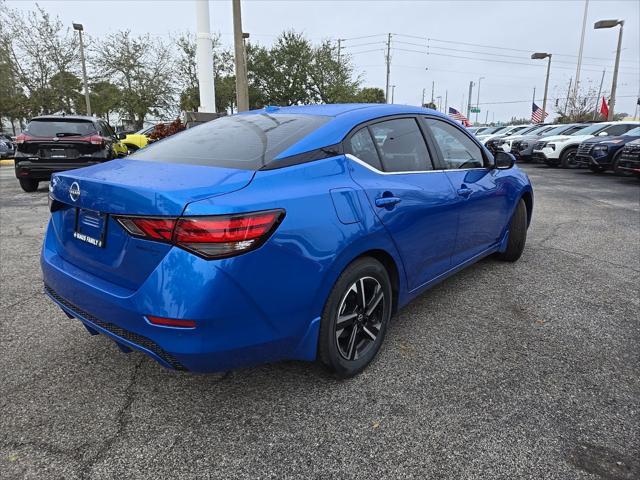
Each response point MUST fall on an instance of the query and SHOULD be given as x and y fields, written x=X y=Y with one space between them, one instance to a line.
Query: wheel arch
x=527 y=196
x=389 y=263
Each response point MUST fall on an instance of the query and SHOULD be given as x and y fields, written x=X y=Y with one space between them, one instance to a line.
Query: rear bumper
x=38 y=170
x=232 y=329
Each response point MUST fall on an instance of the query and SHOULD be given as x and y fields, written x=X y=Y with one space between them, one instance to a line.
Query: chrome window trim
x=373 y=169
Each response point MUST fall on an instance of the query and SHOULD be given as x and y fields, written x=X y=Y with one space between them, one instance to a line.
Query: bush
x=163 y=130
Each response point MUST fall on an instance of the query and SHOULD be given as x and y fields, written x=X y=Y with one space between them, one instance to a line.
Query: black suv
x=55 y=143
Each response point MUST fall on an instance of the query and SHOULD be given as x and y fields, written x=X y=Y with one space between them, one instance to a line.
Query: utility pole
x=339 y=48
x=584 y=25
x=486 y=117
x=423 y=92
x=393 y=92
x=566 y=104
x=469 y=103
x=79 y=28
x=478 y=99
x=433 y=87
x=242 y=86
x=534 y=99
x=446 y=101
x=204 y=58
x=386 y=98
x=595 y=110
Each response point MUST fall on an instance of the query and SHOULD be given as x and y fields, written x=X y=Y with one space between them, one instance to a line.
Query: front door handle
x=387 y=202
x=465 y=192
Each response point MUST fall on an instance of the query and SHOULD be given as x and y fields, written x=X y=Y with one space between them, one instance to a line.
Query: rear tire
x=517 y=234
x=353 y=323
x=28 y=185
x=568 y=158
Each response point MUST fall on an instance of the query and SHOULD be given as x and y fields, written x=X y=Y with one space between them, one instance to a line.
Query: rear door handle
x=387 y=202
x=465 y=192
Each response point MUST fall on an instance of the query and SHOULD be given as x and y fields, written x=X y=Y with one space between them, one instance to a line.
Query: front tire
x=355 y=318
x=568 y=158
x=28 y=185
x=517 y=234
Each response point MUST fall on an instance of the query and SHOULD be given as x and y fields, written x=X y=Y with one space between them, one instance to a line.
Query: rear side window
x=401 y=145
x=458 y=150
x=361 y=145
x=247 y=142
x=616 y=130
x=60 y=128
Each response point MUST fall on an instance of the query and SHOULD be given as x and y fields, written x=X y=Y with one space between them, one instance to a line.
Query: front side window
x=248 y=141
x=361 y=145
x=401 y=145
x=458 y=150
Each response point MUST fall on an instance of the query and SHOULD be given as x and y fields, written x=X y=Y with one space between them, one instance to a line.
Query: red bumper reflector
x=171 y=322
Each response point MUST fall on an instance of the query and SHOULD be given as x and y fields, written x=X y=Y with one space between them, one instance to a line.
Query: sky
x=430 y=40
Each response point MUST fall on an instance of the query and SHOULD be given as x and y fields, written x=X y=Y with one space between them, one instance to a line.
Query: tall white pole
x=584 y=26
x=388 y=61
x=204 y=58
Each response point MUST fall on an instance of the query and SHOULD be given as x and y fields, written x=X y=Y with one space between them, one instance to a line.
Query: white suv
x=560 y=150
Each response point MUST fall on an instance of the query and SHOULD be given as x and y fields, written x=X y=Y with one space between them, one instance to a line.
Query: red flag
x=604 y=108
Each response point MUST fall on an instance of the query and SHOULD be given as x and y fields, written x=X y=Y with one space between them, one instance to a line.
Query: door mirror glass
x=603 y=134
x=504 y=160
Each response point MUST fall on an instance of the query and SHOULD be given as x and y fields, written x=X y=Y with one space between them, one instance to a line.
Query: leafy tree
x=48 y=52
x=66 y=91
x=104 y=97
x=370 y=95
x=281 y=74
x=331 y=76
x=143 y=70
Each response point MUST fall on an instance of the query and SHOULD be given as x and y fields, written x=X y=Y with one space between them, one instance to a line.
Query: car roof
x=345 y=116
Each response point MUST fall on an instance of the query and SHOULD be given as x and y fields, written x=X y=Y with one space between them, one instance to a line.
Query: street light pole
x=611 y=24
x=540 y=56
x=478 y=99
x=79 y=28
x=393 y=92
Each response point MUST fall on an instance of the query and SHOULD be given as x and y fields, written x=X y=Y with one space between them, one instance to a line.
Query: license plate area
x=90 y=227
x=58 y=153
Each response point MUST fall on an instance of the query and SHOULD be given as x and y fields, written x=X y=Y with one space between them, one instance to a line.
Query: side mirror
x=504 y=160
x=122 y=136
x=603 y=134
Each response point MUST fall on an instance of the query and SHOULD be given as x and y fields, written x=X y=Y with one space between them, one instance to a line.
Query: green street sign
x=475 y=110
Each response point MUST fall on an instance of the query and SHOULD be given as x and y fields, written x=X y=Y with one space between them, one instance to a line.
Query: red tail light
x=171 y=322
x=96 y=140
x=216 y=236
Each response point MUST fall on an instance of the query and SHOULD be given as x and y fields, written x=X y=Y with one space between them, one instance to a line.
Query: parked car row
x=7 y=146
x=597 y=146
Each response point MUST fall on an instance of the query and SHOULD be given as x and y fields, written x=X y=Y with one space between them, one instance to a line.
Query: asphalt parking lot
x=525 y=370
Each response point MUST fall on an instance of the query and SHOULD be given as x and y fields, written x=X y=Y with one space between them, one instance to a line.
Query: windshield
x=60 y=127
x=248 y=141
x=492 y=130
x=532 y=130
x=540 y=130
x=634 y=133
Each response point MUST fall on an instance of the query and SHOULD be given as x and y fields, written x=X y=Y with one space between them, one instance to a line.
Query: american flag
x=456 y=115
x=536 y=114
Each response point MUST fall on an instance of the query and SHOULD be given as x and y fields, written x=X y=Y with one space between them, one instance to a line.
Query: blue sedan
x=282 y=233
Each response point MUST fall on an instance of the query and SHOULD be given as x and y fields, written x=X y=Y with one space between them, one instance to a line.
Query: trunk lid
x=90 y=197
x=137 y=187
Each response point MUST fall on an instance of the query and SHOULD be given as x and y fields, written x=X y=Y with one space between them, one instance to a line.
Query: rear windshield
x=60 y=127
x=248 y=141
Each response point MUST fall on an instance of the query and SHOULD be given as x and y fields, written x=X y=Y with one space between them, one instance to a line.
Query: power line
x=551 y=98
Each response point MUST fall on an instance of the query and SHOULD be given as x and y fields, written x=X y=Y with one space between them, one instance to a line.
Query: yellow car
x=137 y=140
